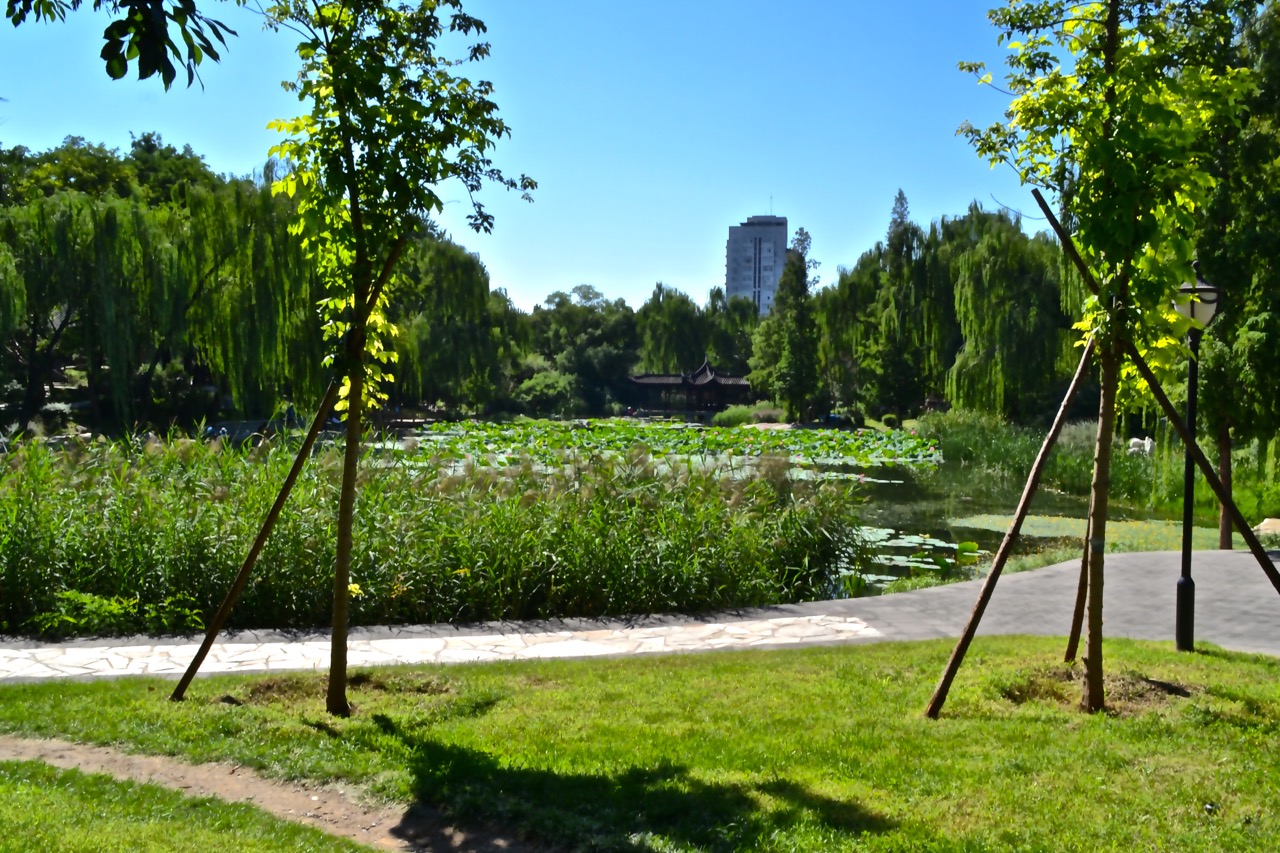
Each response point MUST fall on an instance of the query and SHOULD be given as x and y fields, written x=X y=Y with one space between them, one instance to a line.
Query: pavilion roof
x=700 y=378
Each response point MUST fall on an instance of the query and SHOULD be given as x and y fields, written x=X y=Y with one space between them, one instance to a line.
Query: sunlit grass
x=811 y=749
x=1054 y=539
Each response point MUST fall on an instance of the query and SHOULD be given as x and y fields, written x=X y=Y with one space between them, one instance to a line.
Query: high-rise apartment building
x=754 y=257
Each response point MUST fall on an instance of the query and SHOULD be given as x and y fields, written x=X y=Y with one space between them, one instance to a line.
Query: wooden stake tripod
x=1033 y=481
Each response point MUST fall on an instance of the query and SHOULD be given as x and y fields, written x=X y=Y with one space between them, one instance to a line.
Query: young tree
x=389 y=122
x=1121 y=95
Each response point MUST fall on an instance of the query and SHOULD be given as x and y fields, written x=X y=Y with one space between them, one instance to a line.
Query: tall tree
x=1238 y=248
x=730 y=324
x=389 y=122
x=1007 y=305
x=1122 y=95
x=785 y=353
x=440 y=303
x=586 y=346
x=672 y=331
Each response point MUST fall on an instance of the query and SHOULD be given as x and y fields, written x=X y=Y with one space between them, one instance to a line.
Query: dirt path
x=326 y=808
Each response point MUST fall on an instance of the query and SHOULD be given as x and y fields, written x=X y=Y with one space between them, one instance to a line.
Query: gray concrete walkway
x=1236 y=607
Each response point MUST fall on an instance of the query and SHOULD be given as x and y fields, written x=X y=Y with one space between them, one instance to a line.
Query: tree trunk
x=1093 y=699
x=336 y=702
x=33 y=393
x=1224 y=474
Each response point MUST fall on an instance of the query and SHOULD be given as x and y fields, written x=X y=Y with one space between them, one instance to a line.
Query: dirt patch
x=327 y=808
x=1130 y=693
x=1126 y=693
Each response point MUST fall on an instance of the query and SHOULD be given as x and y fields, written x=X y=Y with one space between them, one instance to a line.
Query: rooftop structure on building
x=754 y=257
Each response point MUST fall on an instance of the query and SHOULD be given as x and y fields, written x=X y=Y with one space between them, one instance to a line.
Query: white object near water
x=1145 y=446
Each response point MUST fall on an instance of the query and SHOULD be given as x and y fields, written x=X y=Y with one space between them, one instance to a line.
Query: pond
x=914 y=515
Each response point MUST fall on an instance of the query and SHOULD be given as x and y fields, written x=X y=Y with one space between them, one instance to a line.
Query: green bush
x=758 y=413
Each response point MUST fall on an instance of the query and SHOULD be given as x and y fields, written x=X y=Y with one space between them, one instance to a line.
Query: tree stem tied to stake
x=268 y=524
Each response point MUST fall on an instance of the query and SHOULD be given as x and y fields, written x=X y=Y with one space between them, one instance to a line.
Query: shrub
x=762 y=412
x=1007 y=451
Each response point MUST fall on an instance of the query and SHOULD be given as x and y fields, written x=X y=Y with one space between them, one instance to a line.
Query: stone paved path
x=1236 y=608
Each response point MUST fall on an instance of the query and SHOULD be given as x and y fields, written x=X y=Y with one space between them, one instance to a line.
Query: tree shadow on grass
x=618 y=811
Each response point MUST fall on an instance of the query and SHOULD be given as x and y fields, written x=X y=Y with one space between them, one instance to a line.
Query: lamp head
x=1200 y=299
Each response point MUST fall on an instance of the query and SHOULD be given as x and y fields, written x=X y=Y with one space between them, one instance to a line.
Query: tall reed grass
x=153 y=532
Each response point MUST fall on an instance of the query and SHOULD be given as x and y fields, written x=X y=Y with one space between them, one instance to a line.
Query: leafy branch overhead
x=150 y=33
x=1116 y=107
x=389 y=125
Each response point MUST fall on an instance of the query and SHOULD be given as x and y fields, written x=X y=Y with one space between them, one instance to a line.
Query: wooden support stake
x=1082 y=593
x=1006 y=545
x=1259 y=553
x=269 y=523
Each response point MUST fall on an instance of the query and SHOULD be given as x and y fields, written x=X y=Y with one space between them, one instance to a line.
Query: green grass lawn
x=807 y=749
x=67 y=811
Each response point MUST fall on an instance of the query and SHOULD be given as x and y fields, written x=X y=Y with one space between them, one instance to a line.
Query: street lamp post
x=1201 y=306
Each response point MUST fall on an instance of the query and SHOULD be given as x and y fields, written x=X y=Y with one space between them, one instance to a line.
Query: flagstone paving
x=1236 y=608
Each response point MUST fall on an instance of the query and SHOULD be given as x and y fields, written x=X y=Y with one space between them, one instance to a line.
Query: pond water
x=915 y=515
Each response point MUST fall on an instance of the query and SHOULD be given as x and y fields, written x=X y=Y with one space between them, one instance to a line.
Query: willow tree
x=1007 y=305
x=673 y=334
x=213 y=277
x=389 y=123
x=440 y=304
x=1124 y=96
x=94 y=273
x=730 y=323
x=40 y=240
x=246 y=308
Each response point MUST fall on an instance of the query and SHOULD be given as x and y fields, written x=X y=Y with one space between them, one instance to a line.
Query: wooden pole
x=1224 y=497
x=268 y=524
x=1202 y=461
x=1082 y=594
x=1006 y=544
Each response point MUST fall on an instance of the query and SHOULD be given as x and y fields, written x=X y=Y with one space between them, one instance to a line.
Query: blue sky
x=650 y=127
